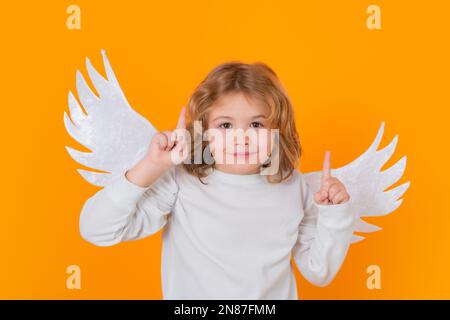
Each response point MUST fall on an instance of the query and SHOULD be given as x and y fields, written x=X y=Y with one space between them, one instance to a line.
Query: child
x=228 y=230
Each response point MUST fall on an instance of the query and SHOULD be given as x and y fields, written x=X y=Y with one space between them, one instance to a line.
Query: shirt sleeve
x=123 y=211
x=324 y=238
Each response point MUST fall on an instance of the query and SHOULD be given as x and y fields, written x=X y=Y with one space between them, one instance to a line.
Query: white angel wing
x=116 y=134
x=366 y=183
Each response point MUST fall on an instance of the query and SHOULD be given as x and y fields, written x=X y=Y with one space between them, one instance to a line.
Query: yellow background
x=343 y=79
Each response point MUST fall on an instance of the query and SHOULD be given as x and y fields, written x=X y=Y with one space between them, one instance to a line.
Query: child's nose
x=244 y=141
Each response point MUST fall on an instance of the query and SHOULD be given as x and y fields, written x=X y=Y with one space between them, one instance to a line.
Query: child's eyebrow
x=225 y=117
x=228 y=117
x=259 y=116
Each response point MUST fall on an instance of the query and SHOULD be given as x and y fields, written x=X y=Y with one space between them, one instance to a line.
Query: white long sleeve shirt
x=229 y=239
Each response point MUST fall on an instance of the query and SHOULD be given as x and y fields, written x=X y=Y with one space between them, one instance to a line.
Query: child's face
x=234 y=114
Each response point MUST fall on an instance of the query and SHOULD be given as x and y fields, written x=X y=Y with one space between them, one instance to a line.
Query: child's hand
x=167 y=148
x=332 y=191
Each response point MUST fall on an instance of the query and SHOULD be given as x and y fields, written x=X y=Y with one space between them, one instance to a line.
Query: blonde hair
x=258 y=81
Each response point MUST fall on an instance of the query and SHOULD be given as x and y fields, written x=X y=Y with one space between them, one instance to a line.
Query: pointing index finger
x=326 y=165
x=182 y=119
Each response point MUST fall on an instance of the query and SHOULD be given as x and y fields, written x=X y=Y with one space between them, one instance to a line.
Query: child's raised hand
x=332 y=191
x=168 y=148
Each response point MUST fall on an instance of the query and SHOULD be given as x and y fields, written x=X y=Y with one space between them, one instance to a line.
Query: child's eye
x=225 y=125
x=256 y=124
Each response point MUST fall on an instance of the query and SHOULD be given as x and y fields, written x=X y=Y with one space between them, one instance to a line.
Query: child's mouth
x=242 y=154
